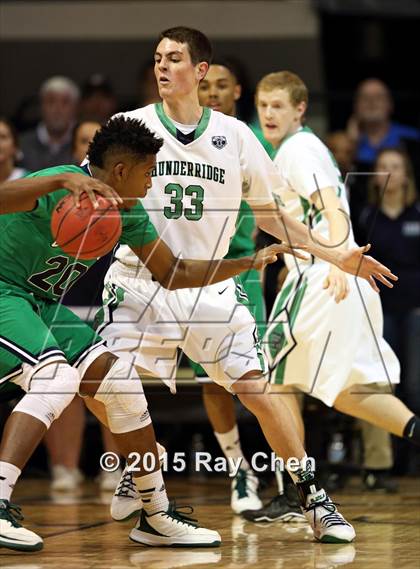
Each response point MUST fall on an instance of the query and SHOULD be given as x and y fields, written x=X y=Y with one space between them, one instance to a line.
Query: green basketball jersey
x=30 y=259
x=259 y=134
x=243 y=241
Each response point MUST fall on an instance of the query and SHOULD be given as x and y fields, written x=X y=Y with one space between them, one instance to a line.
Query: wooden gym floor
x=79 y=533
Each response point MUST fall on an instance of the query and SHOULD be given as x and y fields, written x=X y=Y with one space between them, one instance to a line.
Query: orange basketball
x=85 y=232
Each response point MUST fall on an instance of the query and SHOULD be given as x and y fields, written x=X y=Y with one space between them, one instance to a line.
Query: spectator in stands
x=9 y=149
x=49 y=144
x=392 y=224
x=371 y=127
x=377 y=443
x=344 y=150
x=64 y=439
x=83 y=133
x=98 y=102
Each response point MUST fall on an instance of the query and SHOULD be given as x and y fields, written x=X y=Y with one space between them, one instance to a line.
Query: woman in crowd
x=391 y=222
x=9 y=151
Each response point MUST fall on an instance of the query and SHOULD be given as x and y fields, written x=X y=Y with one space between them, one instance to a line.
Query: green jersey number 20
x=60 y=266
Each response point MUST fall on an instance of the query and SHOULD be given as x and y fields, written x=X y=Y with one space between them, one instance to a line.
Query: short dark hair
x=123 y=135
x=230 y=65
x=198 y=44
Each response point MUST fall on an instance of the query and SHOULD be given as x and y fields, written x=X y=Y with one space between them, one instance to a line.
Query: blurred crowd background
x=66 y=67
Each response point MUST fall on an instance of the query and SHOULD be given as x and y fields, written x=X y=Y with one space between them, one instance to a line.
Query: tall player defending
x=208 y=164
x=220 y=90
x=324 y=335
x=49 y=352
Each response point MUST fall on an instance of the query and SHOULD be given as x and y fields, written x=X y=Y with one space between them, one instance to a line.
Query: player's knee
x=121 y=391
x=251 y=383
x=51 y=390
x=253 y=393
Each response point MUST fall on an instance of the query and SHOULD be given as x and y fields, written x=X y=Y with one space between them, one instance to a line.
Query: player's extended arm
x=274 y=220
x=339 y=227
x=22 y=195
x=173 y=273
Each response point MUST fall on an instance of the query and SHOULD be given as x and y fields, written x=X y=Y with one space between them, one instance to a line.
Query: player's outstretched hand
x=270 y=254
x=337 y=284
x=78 y=184
x=355 y=262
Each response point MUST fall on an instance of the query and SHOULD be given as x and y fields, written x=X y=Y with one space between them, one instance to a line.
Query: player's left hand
x=270 y=254
x=337 y=284
x=355 y=262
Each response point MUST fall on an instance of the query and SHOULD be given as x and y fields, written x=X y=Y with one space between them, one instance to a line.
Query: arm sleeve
x=137 y=228
x=309 y=167
x=260 y=178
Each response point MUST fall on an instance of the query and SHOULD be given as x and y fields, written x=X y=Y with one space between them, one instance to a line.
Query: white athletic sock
x=9 y=473
x=279 y=479
x=153 y=492
x=231 y=446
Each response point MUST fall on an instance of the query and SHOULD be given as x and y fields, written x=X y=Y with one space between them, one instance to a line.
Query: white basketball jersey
x=197 y=187
x=306 y=166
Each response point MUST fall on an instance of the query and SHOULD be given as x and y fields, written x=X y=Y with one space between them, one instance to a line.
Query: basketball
x=85 y=232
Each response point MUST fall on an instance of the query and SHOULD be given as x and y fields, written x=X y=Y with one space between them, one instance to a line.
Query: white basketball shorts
x=142 y=321
x=321 y=347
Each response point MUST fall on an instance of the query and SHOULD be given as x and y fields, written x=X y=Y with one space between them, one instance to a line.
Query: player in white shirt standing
x=219 y=90
x=324 y=335
x=209 y=162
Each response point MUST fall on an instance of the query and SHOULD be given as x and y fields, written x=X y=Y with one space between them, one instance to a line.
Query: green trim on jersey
x=260 y=135
x=310 y=210
x=276 y=338
x=306 y=206
x=171 y=128
x=203 y=123
x=283 y=295
x=286 y=138
x=242 y=298
x=112 y=297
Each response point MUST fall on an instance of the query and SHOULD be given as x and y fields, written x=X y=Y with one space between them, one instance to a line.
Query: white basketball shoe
x=12 y=534
x=328 y=525
x=245 y=492
x=173 y=528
